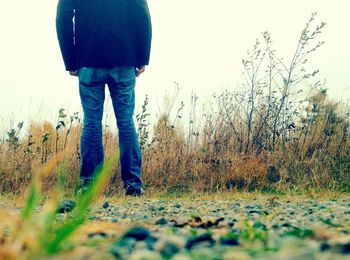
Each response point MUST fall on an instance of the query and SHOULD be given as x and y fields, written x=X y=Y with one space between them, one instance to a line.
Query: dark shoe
x=134 y=192
x=85 y=186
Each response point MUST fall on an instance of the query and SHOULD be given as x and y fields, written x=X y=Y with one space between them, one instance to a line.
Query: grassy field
x=263 y=172
x=280 y=131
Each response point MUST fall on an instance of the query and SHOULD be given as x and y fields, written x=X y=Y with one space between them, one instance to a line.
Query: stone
x=179 y=222
x=286 y=225
x=138 y=233
x=254 y=211
x=324 y=246
x=260 y=225
x=322 y=207
x=167 y=248
x=99 y=234
x=105 y=205
x=66 y=206
x=235 y=231
x=206 y=239
x=161 y=221
x=177 y=206
x=341 y=245
x=229 y=241
x=123 y=247
x=156 y=209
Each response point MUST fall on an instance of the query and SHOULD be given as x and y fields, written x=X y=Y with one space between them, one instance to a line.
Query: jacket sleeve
x=65 y=32
x=144 y=33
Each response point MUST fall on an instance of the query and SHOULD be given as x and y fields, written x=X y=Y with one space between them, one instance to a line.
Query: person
x=106 y=43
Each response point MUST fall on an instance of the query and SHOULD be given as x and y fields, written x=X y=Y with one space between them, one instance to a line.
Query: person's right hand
x=73 y=73
x=140 y=70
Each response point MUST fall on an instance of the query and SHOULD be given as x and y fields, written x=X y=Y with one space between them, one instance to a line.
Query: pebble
x=181 y=229
x=105 y=205
x=66 y=206
x=161 y=221
x=123 y=247
x=228 y=241
x=99 y=234
x=137 y=233
x=167 y=248
x=341 y=245
x=206 y=239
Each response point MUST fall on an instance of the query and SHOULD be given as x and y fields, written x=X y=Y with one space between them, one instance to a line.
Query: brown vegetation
x=314 y=153
x=269 y=136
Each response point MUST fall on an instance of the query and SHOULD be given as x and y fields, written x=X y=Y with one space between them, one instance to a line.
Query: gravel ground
x=250 y=227
x=235 y=228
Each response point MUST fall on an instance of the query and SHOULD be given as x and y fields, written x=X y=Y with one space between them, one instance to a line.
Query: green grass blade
x=52 y=243
x=32 y=199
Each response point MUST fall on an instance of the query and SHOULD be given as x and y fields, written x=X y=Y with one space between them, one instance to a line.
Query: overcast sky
x=198 y=43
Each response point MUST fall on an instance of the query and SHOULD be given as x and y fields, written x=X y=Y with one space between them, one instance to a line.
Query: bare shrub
x=271 y=135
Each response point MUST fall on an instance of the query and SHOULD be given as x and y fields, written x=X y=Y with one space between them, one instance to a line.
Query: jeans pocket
x=127 y=73
x=124 y=77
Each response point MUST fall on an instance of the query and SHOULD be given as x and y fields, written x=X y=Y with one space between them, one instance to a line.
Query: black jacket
x=104 y=33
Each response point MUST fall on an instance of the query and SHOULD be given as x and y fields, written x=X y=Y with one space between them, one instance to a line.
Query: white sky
x=198 y=43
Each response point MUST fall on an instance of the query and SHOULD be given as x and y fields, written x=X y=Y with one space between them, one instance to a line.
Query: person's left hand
x=73 y=73
x=140 y=70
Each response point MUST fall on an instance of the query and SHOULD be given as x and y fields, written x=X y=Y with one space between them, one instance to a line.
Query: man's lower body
x=121 y=83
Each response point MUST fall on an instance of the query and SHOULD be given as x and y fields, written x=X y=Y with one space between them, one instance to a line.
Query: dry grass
x=316 y=159
x=265 y=137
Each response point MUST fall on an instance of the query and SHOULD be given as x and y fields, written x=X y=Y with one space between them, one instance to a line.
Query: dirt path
x=214 y=227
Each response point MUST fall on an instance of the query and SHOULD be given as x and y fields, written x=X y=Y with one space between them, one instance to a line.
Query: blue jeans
x=121 y=84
